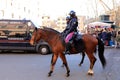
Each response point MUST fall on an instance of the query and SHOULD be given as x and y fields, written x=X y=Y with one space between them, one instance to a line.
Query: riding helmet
x=72 y=13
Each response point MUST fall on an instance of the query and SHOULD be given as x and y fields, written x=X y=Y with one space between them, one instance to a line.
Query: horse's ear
x=42 y=27
x=36 y=28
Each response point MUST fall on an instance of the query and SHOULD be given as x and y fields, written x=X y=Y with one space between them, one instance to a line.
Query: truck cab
x=16 y=34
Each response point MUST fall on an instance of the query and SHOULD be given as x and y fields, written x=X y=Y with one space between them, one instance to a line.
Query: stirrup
x=70 y=42
x=66 y=52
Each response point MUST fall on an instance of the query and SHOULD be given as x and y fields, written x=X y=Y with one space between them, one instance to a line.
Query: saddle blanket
x=70 y=35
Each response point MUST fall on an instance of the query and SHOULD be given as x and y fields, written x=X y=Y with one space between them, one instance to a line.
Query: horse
x=81 y=62
x=55 y=40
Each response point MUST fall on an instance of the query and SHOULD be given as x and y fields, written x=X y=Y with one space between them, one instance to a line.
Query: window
x=19 y=27
x=24 y=9
x=2 y=26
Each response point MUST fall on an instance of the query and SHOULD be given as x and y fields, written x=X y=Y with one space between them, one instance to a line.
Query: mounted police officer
x=64 y=33
x=71 y=30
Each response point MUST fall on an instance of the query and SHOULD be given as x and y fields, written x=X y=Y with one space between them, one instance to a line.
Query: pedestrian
x=109 y=35
x=104 y=36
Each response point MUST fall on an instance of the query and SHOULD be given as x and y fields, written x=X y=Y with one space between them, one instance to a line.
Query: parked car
x=16 y=34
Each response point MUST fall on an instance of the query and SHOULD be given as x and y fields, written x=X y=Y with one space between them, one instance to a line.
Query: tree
x=117 y=21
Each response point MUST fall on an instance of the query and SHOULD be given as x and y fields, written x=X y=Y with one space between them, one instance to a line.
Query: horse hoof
x=67 y=75
x=79 y=64
x=90 y=72
x=49 y=74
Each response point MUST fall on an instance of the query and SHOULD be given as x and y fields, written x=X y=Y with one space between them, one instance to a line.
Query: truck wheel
x=44 y=50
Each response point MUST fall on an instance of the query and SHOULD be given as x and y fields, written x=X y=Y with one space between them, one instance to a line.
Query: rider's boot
x=68 y=47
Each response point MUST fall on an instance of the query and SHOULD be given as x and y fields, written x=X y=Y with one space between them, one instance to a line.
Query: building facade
x=16 y=9
x=60 y=23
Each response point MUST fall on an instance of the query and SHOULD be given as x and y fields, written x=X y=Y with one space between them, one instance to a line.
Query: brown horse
x=54 y=39
x=81 y=62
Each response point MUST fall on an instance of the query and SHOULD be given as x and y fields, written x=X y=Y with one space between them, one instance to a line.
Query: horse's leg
x=83 y=56
x=53 y=62
x=92 y=62
x=62 y=65
x=52 y=58
x=62 y=56
x=81 y=62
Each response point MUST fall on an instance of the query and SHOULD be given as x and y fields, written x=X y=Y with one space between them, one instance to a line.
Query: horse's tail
x=101 y=52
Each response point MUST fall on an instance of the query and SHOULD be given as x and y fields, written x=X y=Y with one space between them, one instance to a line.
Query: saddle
x=78 y=42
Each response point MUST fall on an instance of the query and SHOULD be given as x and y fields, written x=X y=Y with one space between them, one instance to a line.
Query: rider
x=67 y=19
x=72 y=28
x=67 y=27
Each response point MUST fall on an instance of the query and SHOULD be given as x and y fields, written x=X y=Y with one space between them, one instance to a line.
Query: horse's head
x=44 y=33
x=35 y=36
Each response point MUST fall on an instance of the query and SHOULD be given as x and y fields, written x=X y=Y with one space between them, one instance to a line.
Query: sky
x=63 y=7
x=56 y=8
x=81 y=7
x=89 y=8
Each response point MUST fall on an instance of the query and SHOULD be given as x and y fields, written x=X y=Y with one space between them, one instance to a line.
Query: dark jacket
x=104 y=35
x=67 y=28
x=72 y=26
x=109 y=36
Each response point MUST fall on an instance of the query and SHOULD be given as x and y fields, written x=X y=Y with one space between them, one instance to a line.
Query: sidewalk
x=118 y=46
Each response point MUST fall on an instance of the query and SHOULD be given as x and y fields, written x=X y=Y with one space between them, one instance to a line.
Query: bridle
x=35 y=37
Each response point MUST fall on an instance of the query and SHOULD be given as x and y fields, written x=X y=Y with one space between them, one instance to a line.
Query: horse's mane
x=57 y=32
x=50 y=29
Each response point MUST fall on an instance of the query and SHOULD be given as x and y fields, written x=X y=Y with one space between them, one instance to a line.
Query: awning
x=99 y=25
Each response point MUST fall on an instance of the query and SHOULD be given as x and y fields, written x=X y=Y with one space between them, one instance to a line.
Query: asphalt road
x=22 y=66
